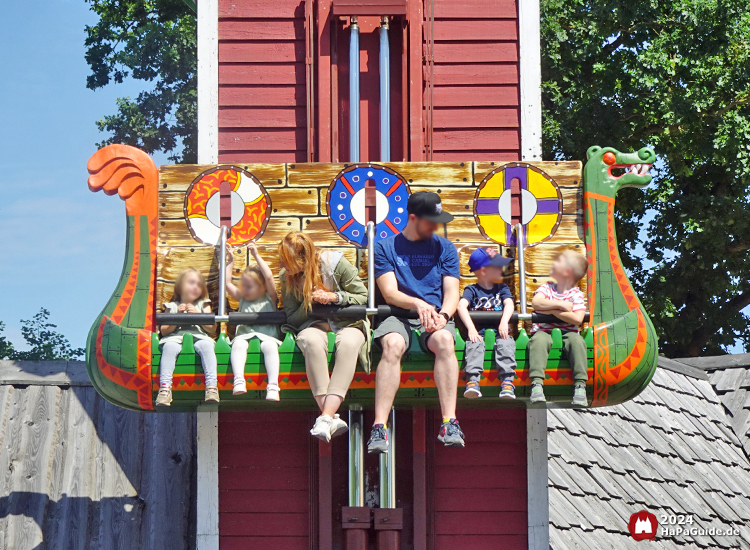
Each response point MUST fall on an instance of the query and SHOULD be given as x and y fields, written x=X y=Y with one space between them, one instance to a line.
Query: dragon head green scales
x=608 y=170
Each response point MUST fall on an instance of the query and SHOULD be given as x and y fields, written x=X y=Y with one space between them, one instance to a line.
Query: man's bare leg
x=388 y=375
x=446 y=371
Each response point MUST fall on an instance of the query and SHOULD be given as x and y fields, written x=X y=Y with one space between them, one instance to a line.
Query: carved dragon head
x=608 y=170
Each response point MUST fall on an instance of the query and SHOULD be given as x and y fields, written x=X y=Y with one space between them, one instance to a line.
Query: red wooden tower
x=276 y=84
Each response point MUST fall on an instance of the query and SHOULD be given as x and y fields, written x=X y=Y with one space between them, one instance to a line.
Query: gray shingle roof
x=672 y=450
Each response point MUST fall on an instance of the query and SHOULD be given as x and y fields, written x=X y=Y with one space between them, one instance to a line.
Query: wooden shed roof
x=79 y=472
x=674 y=449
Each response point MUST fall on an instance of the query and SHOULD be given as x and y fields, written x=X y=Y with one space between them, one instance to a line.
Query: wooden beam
x=207 y=468
x=325 y=496
x=416 y=136
x=419 y=450
x=323 y=26
x=530 y=80
x=208 y=82
x=44 y=373
x=537 y=472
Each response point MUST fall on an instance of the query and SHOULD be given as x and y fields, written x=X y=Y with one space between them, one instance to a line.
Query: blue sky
x=61 y=246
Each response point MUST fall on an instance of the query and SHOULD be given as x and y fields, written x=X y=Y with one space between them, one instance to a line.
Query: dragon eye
x=609 y=158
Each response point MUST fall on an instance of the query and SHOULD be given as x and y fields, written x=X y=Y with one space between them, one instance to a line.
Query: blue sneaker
x=472 y=390
x=507 y=390
x=378 y=442
x=450 y=434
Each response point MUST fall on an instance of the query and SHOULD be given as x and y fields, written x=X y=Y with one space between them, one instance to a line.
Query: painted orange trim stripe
x=391 y=226
x=597 y=196
x=393 y=188
x=347 y=185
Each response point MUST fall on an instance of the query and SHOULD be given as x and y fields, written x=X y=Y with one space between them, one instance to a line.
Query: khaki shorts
x=404 y=327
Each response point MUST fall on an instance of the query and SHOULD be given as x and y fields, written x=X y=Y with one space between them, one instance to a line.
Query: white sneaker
x=322 y=428
x=240 y=387
x=338 y=426
x=272 y=392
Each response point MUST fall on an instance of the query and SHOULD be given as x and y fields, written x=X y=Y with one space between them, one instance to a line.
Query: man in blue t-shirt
x=418 y=270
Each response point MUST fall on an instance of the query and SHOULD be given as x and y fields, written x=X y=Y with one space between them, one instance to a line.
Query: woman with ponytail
x=310 y=276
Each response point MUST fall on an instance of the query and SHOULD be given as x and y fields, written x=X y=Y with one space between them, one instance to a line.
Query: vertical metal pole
x=223 y=272
x=521 y=266
x=371 y=268
x=354 y=91
x=385 y=92
x=356 y=457
x=388 y=467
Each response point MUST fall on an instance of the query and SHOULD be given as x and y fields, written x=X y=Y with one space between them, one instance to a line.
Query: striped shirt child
x=549 y=291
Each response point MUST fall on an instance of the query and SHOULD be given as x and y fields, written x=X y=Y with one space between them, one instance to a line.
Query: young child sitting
x=564 y=300
x=190 y=296
x=488 y=295
x=257 y=293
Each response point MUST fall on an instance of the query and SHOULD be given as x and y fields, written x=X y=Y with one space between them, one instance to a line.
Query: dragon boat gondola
x=174 y=219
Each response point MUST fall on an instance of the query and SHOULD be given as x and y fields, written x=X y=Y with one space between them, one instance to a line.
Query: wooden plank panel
x=490 y=96
x=174 y=232
x=277 y=8
x=565 y=173
x=504 y=156
x=488 y=117
x=482 y=542
x=265 y=139
x=477 y=52
x=265 y=73
x=479 y=9
x=253 y=29
x=261 y=96
x=262 y=52
x=313 y=175
x=488 y=523
x=246 y=542
x=475 y=140
x=298 y=201
x=320 y=231
x=475 y=73
x=433 y=175
x=239 y=117
x=475 y=29
x=178 y=177
x=481 y=500
x=259 y=157
x=258 y=524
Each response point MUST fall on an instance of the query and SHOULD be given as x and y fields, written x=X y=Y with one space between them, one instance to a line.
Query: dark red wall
x=278 y=487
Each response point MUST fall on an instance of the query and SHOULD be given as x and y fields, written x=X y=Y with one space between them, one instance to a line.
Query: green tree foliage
x=672 y=74
x=46 y=344
x=154 y=41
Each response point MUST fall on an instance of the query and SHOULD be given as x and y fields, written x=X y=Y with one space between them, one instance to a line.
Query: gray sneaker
x=164 y=398
x=537 y=393
x=579 y=395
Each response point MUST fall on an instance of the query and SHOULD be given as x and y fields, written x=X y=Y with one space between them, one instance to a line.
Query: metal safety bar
x=356 y=456
x=223 y=272
x=354 y=91
x=385 y=92
x=388 y=467
x=336 y=312
x=521 y=268
x=371 y=309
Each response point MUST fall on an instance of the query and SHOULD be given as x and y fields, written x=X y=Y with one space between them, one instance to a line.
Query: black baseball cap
x=427 y=205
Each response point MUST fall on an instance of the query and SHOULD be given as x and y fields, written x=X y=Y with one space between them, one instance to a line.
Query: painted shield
x=522 y=191
x=250 y=205
x=346 y=202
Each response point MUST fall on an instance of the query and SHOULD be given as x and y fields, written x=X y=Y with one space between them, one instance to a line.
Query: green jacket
x=343 y=278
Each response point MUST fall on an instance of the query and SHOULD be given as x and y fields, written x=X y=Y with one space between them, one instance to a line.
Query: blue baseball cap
x=482 y=257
